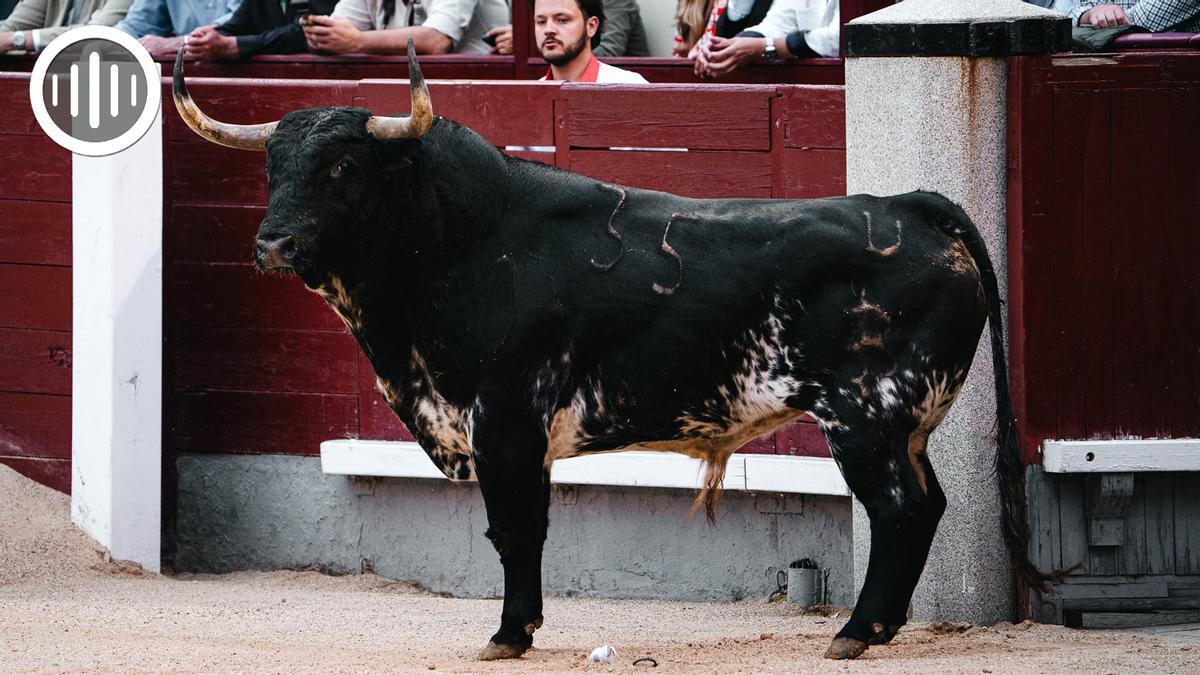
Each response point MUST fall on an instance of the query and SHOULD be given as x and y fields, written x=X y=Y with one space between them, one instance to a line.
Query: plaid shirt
x=1155 y=16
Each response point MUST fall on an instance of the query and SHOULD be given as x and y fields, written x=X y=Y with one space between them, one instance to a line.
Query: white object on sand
x=603 y=654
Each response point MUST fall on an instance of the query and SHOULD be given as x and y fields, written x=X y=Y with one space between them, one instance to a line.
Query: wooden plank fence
x=257 y=365
x=1104 y=235
x=35 y=293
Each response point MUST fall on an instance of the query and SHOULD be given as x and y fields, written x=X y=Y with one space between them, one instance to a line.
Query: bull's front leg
x=509 y=463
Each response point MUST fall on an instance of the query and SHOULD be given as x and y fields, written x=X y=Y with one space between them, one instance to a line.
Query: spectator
x=691 y=18
x=721 y=18
x=33 y=23
x=161 y=25
x=566 y=30
x=1156 y=16
x=384 y=26
x=792 y=28
x=623 y=35
x=257 y=27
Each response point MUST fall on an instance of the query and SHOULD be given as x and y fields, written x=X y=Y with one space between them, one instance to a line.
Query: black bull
x=516 y=314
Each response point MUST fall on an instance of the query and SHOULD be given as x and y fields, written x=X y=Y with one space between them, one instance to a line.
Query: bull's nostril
x=275 y=251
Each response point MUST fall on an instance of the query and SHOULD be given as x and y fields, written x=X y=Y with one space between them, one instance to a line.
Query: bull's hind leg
x=904 y=503
x=929 y=509
x=516 y=491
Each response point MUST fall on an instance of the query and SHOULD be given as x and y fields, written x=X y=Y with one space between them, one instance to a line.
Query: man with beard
x=566 y=32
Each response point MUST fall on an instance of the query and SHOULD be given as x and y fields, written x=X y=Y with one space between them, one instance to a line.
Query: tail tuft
x=710 y=494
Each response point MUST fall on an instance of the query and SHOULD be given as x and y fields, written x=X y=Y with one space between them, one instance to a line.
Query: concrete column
x=116 y=378
x=925 y=108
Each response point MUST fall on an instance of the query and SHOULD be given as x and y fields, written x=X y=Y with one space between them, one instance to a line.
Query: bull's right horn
x=240 y=136
x=417 y=123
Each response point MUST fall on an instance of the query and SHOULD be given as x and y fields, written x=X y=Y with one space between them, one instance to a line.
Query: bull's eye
x=342 y=168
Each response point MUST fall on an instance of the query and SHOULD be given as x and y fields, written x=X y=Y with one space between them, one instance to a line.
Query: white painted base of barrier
x=634 y=468
x=116 y=372
x=1121 y=456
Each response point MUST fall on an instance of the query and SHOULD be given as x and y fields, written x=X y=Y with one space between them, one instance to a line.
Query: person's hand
x=727 y=55
x=161 y=45
x=504 y=39
x=699 y=58
x=207 y=44
x=5 y=42
x=1104 y=16
x=330 y=34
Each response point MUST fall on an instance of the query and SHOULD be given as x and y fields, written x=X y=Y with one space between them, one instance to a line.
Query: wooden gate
x=1104 y=287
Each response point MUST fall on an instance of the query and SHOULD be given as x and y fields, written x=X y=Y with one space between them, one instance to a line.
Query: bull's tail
x=1010 y=469
x=710 y=492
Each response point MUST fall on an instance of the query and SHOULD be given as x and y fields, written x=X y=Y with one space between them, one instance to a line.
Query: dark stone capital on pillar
x=958 y=28
x=984 y=38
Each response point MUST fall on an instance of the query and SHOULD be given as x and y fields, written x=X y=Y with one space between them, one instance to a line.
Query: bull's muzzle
x=276 y=253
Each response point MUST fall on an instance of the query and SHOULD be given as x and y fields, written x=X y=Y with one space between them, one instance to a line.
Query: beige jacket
x=46 y=17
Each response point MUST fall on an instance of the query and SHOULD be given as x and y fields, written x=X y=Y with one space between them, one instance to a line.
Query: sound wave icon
x=94 y=107
x=96 y=92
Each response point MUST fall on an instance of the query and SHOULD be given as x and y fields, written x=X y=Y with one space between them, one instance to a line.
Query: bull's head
x=325 y=169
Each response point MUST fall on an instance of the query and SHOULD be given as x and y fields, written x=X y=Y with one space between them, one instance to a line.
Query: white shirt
x=607 y=74
x=614 y=75
x=821 y=19
x=465 y=22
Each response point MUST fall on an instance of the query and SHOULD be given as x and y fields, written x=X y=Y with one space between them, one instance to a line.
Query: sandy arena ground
x=63 y=609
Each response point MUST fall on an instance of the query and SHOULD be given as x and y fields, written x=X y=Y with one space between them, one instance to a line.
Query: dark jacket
x=263 y=27
x=623 y=33
x=728 y=29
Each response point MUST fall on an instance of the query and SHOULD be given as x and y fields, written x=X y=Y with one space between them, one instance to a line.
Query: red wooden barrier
x=257 y=365
x=473 y=67
x=253 y=363
x=1104 y=238
x=35 y=293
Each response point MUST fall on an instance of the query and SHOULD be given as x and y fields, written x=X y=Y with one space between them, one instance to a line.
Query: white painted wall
x=116 y=377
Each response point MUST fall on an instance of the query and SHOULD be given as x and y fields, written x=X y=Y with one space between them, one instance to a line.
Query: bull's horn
x=241 y=136
x=419 y=121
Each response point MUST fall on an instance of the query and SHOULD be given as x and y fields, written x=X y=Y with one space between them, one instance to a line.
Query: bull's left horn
x=240 y=136
x=416 y=124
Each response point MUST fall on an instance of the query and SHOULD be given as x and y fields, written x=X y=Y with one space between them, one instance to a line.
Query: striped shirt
x=1156 y=16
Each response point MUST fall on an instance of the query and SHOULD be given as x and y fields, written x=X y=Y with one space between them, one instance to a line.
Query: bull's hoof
x=845 y=648
x=495 y=652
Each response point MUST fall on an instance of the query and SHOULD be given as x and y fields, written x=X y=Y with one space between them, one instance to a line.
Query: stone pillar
x=926 y=108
